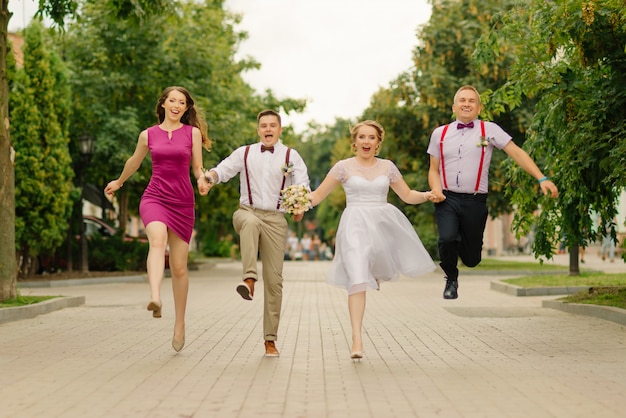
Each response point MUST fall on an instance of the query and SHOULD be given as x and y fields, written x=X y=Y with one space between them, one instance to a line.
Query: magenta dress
x=169 y=197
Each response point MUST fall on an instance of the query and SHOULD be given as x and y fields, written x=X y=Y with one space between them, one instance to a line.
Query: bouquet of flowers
x=295 y=199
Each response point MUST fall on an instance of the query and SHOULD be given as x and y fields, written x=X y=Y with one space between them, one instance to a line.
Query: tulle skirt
x=376 y=242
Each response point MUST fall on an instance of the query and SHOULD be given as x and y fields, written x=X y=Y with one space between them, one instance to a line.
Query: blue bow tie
x=465 y=125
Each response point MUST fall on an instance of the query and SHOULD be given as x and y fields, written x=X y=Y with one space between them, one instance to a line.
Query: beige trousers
x=264 y=231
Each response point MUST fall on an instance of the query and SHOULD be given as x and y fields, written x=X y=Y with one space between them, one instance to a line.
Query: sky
x=334 y=53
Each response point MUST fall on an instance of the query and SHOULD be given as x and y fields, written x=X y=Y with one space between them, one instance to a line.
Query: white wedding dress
x=374 y=241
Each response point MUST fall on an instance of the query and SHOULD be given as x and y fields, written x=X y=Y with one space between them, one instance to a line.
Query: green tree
x=38 y=109
x=443 y=63
x=57 y=10
x=116 y=81
x=200 y=45
x=119 y=78
x=572 y=60
x=322 y=147
x=420 y=99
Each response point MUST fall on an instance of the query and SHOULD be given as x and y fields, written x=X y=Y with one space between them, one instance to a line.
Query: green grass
x=605 y=296
x=605 y=289
x=24 y=300
x=584 y=279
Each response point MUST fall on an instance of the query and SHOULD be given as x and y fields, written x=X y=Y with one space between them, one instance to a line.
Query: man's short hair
x=268 y=112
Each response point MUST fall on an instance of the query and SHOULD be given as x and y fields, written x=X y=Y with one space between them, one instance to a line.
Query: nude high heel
x=178 y=345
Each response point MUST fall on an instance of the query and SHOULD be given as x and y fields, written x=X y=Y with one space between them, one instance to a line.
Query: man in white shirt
x=265 y=169
x=458 y=177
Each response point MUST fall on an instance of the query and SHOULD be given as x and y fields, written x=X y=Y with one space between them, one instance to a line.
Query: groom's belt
x=252 y=208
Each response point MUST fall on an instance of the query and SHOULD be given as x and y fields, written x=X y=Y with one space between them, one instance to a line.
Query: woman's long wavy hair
x=192 y=115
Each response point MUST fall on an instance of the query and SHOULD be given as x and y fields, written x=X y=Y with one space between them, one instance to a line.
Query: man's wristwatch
x=207 y=176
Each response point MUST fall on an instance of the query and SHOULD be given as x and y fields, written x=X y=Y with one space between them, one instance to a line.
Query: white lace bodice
x=365 y=184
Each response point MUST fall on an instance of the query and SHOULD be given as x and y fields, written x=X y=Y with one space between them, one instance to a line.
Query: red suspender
x=284 y=178
x=443 y=167
x=245 y=164
x=482 y=157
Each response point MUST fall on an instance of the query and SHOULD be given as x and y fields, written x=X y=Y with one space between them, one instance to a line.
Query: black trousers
x=461 y=220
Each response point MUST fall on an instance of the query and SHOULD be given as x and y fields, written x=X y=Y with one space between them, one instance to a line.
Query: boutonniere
x=287 y=168
x=484 y=141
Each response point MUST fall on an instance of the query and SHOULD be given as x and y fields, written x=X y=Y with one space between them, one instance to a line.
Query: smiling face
x=269 y=130
x=466 y=105
x=174 y=105
x=366 y=141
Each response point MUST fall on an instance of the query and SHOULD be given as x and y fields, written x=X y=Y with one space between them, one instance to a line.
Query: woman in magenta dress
x=167 y=205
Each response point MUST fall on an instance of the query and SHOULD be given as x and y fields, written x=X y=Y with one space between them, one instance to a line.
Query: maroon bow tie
x=465 y=125
x=270 y=149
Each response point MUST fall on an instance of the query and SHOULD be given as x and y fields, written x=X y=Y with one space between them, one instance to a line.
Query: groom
x=260 y=220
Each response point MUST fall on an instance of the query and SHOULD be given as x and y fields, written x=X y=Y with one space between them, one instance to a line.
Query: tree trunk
x=574 y=269
x=8 y=264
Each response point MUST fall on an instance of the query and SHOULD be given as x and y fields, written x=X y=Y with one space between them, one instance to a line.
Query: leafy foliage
x=322 y=148
x=39 y=105
x=443 y=63
x=420 y=99
x=573 y=62
x=116 y=253
x=122 y=64
x=57 y=10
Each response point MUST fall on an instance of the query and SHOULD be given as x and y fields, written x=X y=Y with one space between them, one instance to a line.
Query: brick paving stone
x=486 y=354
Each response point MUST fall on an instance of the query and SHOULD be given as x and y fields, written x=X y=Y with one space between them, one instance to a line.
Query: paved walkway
x=486 y=354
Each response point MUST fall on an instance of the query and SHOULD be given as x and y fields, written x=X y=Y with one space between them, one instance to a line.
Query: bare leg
x=179 y=251
x=356 y=306
x=155 y=264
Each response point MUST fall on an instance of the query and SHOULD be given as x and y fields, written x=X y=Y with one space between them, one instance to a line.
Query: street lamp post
x=85 y=146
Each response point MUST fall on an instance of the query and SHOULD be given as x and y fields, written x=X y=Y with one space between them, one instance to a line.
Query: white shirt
x=462 y=155
x=292 y=242
x=266 y=173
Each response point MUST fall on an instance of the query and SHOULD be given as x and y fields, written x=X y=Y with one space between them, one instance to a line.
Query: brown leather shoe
x=246 y=289
x=270 y=349
x=250 y=283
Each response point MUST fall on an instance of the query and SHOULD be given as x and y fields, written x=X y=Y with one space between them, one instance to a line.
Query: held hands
x=436 y=196
x=203 y=186
x=429 y=196
x=205 y=182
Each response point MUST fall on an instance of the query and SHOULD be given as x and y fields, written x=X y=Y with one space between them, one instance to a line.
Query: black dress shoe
x=450 y=291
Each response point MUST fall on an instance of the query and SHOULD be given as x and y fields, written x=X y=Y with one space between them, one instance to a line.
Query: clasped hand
x=203 y=186
x=436 y=196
